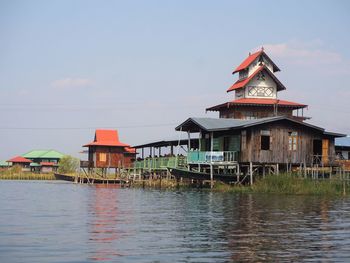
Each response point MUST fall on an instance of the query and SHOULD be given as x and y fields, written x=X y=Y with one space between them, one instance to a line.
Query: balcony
x=199 y=157
x=160 y=163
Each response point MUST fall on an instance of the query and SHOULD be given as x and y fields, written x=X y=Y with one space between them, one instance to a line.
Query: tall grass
x=291 y=184
x=18 y=175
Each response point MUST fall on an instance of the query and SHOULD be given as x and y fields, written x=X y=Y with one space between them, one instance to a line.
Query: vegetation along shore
x=286 y=183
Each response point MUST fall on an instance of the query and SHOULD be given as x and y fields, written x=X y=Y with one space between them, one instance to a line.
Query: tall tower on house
x=256 y=92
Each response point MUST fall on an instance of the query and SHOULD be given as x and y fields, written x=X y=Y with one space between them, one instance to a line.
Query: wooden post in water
x=251 y=173
x=188 y=147
x=264 y=172
x=211 y=159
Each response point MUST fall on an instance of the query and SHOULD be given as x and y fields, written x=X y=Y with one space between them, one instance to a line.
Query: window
x=265 y=140
x=257 y=91
x=292 y=141
x=103 y=157
x=243 y=74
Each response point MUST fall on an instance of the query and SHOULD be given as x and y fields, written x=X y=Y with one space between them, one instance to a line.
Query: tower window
x=243 y=74
x=265 y=140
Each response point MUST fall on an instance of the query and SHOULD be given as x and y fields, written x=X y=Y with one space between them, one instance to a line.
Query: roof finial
x=262 y=48
x=249 y=54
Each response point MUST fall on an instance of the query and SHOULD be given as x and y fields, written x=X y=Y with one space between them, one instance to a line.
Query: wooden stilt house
x=106 y=151
x=276 y=142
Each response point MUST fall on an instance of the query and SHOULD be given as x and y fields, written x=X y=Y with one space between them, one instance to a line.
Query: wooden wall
x=259 y=112
x=109 y=157
x=279 y=144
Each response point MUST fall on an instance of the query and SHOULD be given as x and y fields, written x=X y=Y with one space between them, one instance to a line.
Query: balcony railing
x=199 y=157
x=156 y=163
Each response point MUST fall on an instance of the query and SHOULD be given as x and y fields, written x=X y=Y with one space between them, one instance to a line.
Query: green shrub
x=68 y=164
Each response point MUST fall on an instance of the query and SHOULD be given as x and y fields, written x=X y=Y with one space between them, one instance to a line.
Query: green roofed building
x=43 y=160
x=4 y=164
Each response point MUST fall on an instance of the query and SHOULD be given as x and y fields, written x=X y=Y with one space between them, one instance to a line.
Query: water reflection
x=105 y=217
x=263 y=228
x=79 y=223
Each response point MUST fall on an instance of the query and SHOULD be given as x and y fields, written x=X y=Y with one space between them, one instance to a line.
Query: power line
x=89 y=128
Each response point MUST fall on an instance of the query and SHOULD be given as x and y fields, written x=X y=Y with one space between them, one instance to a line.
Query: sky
x=143 y=67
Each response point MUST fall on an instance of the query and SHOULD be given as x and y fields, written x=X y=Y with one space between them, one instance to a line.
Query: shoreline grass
x=287 y=184
x=27 y=176
x=290 y=184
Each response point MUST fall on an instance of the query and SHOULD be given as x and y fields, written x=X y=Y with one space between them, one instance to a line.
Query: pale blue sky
x=83 y=65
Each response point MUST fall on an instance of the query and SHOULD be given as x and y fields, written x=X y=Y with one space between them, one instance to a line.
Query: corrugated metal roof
x=5 y=164
x=213 y=124
x=43 y=154
x=344 y=141
x=52 y=154
x=19 y=159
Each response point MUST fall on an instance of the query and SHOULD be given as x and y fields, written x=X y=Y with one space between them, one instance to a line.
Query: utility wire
x=88 y=128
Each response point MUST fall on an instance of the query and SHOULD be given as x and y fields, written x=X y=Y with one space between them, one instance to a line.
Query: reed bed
x=26 y=176
x=291 y=184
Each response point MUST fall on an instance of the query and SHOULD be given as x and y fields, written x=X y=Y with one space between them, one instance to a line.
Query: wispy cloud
x=303 y=54
x=309 y=54
x=71 y=83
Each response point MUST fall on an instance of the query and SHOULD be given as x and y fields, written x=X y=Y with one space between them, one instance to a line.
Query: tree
x=68 y=164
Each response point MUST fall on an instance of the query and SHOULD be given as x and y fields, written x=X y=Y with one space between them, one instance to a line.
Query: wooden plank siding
x=279 y=144
x=240 y=112
x=109 y=157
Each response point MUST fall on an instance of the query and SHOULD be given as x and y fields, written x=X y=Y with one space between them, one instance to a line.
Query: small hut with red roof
x=21 y=161
x=106 y=151
x=256 y=92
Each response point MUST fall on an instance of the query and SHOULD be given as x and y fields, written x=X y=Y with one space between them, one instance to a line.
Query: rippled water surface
x=63 y=222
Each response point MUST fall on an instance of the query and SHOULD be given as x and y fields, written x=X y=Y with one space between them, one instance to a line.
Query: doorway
x=317 y=147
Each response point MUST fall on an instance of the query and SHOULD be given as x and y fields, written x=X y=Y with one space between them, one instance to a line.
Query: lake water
x=61 y=222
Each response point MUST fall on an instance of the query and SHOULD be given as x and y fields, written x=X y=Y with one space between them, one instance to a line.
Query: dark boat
x=84 y=179
x=64 y=177
x=193 y=175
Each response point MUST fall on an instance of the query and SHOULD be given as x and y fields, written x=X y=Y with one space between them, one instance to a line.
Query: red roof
x=106 y=138
x=242 y=83
x=260 y=102
x=19 y=159
x=130 y=150
x=250 y=59
x=47 y=164
x=267 y=102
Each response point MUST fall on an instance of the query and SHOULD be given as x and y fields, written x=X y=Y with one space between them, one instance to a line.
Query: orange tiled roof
x=106 y=138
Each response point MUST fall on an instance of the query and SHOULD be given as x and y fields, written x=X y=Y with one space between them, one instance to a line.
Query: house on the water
x=107 y=152
x=22 y=162
x=272 y=143
x=43 y=161
x=257 y=132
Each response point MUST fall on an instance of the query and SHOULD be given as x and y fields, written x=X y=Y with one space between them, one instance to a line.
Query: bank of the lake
x=272 y=184
x=291 y=184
